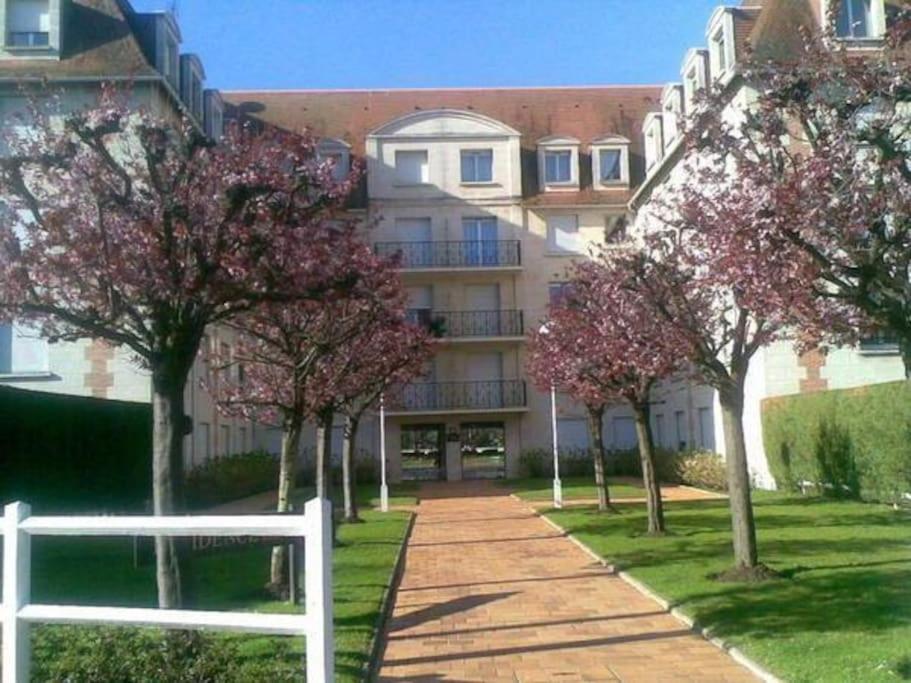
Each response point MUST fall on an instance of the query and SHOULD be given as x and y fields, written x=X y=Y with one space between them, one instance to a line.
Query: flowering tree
x=834 y=126
x=285 y=368
x=389 y=353
x=125 y=228
x=713 y=273
x=601 y=345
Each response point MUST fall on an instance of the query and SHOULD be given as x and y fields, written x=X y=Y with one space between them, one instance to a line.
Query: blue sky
x=268 y=44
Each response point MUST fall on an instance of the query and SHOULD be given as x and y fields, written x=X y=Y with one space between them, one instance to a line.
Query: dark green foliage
x=577 y=462
x=229 y=478
x=854 y=440
x=74 y=454
x=91 y=655
x=835 y=458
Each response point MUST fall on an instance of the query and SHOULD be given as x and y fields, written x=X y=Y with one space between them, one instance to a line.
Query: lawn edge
x=735 y=653
x=370 y=670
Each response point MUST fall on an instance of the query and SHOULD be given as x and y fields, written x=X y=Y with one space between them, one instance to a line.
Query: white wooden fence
x=19 y=613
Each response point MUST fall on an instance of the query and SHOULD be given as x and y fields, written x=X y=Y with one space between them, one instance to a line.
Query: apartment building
x=688 y=416
x=488 y=195
x=73 y=46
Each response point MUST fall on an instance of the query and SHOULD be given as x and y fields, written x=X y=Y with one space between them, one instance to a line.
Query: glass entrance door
x=423 y=449
x=483 y=450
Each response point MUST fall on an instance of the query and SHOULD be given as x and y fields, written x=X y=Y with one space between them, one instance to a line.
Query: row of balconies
x=454 y=255
x=469 y=324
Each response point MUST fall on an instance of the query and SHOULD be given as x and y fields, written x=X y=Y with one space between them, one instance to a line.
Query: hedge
x=72 y=454
x=852 y=441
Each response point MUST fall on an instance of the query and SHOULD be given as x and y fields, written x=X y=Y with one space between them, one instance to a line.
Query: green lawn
x=841 y=612
x=574 y=488
x=100 y=571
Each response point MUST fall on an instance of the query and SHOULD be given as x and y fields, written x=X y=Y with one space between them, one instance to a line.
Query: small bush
x=65 y=654
x=578 y=462
x=835 y=459
x=228 y=478
x=703 y=469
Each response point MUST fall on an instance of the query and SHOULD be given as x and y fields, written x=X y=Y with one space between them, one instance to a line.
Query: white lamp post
x=384 y=488
x=558 y=486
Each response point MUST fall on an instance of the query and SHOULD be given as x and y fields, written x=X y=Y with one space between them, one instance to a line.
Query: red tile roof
x=586 y=113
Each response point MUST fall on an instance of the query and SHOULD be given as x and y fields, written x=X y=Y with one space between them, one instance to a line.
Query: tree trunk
x=169 y=426
x=278 y=575
x=905 y=348
x=649 y=476
x=324 y=455
x=596 y=428
x=743 y=525
x=349 y=473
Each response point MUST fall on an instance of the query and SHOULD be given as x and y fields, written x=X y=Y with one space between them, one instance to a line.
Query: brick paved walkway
x=492 y=593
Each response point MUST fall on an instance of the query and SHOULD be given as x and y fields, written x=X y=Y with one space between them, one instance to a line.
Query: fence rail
x=18 y=612
x=478 y=254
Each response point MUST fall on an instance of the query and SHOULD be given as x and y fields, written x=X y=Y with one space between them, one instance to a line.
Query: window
x=615 y=230
x=339 y=153
x=855 y=19
x=694 y=71
x=558 y=292
x=680 y=424
x=654 y=140
x=225 y=440
x=22 y=351
x=659 y=430
x=563 y=234
x=672 y=101
x=202 y=450
x=573 y=434
x=242 y=439
x=477 y=165
x=625 y=433
x=610 y=165
x=481 y=244
x=28 y=23
x=706 y=430
x=558 y=166
x=170 y=60
x=882 y=341
x=719 y=54
x=411 y=167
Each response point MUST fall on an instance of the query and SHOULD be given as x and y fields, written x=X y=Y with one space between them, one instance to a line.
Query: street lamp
x=558 y=486
x=384 y=488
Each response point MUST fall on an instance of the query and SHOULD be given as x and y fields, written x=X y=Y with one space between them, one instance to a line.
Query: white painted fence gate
x=18 y=613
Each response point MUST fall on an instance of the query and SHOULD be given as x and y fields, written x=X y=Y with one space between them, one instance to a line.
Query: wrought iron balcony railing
x=451 y=324
x=480 y=254
x=489 y=395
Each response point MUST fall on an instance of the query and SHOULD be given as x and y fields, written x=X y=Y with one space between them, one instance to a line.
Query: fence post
x=17 y=572
x=318 y=591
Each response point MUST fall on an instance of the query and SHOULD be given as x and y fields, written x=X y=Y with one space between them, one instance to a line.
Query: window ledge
x=551 y=251
x=479 y=183
x=612 y=185
x=25 y=376
x=882 y=351
x=413 y=185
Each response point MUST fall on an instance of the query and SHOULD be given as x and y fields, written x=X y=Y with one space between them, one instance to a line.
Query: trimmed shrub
x=703 y=469
x=231 y=477
x=64 y=654
x=851 y=442
x=578 y=462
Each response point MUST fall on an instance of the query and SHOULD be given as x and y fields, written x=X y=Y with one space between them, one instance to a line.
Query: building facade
x=689 y=416
x=488 y=195
x=68 y=48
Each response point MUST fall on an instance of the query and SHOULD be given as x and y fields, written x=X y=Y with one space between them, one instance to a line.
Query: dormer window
x=695 y=76
x=654 y=139
x=411 y=167
x=720 y=34
x=860 y=19
x=610 y=162
x=558 y=163
x=477 y=165
x=28 y=23
x=672 y=108
x=339 y=153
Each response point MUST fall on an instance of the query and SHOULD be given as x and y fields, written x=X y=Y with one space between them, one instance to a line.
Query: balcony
x=469 y=325
x=459 y=397
x=454 y=255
